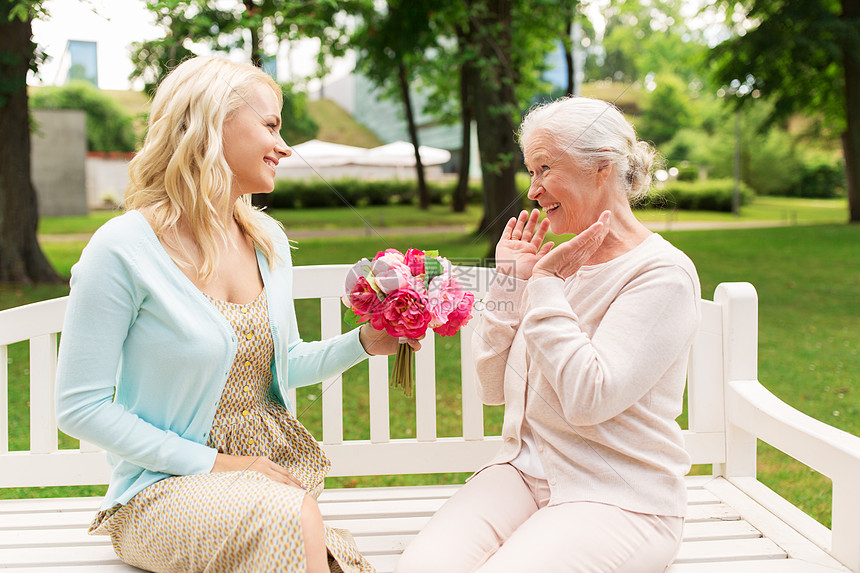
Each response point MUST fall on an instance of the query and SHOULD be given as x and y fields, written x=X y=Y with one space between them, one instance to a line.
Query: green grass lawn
x=789 y=211
x=807 y=280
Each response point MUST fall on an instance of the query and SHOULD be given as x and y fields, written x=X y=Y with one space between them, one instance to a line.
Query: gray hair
x=593 y=133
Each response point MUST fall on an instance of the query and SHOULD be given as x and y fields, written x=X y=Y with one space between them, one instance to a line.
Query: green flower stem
x=403 y=374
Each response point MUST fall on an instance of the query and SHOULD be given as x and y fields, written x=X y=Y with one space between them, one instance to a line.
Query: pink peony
x=363 y=299
x=458 y=317
x=388 y=253
x=390 y=278
x=443 y=295
x=403 y=313
x=359 y=269
x=415 y=261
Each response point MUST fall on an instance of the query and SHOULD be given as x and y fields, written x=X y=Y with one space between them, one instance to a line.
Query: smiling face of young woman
x=252 y=142
x=571 y=197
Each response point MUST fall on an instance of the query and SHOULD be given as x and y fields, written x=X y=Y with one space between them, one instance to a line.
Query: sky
x=114 y=25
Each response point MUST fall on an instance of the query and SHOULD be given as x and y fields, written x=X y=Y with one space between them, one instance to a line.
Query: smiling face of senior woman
x=572 y=197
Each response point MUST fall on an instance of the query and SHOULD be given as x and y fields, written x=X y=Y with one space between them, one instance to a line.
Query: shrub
x=707 y=195
x=109 y=127
x=820 y=181
x=688 y=173
x=291 y=194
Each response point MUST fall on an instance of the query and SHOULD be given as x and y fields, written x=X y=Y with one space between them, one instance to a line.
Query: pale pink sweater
x=596 y=366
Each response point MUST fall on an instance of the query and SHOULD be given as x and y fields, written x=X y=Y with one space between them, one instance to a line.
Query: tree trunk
x=460 y=200
x=496 y=110
x=851 y=137
x=423 y=195
x=21 y=257
x=567 y=42
x=256 y=53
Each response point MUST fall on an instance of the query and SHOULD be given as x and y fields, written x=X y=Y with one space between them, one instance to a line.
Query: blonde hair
x=594 y=133
x=181 y=173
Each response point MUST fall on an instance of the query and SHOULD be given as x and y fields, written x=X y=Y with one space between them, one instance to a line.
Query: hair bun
x=641 y=161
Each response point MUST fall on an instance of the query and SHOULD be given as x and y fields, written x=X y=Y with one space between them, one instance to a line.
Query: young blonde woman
x=586 y=345
x=180 y=344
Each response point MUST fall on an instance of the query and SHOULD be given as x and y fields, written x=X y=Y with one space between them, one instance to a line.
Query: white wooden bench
x=735 y=523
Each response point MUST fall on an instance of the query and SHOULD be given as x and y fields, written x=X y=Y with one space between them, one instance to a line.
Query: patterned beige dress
x=234 y=521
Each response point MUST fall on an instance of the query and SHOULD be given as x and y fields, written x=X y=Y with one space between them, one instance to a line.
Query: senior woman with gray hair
x=586 y=345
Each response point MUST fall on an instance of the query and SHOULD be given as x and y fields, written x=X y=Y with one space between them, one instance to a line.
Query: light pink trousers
x=499 y=522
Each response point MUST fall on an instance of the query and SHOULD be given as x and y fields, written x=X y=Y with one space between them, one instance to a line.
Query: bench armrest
x=754 y=410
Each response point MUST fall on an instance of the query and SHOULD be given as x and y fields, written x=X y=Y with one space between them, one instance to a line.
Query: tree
x=649 y=37
x=448 y=95
x=391 y=42
x=666 y=110
x=242 y=24
x=238 y=25
x=497 y=113
x=509 y=41
x=804 y=56
x=21 y=257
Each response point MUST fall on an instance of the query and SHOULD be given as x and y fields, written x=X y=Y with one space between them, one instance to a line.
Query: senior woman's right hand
x=520 y=247
x=564 y=260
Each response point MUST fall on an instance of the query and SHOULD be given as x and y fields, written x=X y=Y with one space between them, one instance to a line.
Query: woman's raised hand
x=564 y=260
x=520 y=247
x=263 y=465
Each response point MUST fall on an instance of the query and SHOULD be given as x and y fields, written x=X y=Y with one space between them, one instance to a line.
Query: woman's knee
x=312 y=522
x=313 y=536
x=419 y=558
x=429 y=553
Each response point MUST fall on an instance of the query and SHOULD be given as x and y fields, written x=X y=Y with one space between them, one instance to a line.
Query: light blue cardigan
x=144 y=355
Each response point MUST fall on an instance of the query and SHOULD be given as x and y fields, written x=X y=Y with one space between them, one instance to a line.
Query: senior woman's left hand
x=564 y=260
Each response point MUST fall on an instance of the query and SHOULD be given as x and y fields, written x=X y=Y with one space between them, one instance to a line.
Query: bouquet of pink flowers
x=405 y=295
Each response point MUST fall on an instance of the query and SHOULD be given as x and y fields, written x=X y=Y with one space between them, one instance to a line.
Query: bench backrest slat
x=425 y=390
x=473 y=408
x=43 y=373
x=332 y=394
x=380 y=421
x=4 y=399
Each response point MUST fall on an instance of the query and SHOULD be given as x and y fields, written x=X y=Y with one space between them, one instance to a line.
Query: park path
x=656 y=226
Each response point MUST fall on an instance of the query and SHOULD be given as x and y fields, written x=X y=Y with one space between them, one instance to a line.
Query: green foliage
x=296 y=124
x=794 y=55
x=26 y=9
x=667 y=110
x=153 y=59
x=294 y=194
x=819 y=179
x=687 y=172
x=648 y=37
x=774 y=161
x=109 y=127
x=771 y=162
x=238 y=26
x=707 y=195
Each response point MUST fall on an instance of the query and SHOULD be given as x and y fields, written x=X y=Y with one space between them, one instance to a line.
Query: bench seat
x=49 y=535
